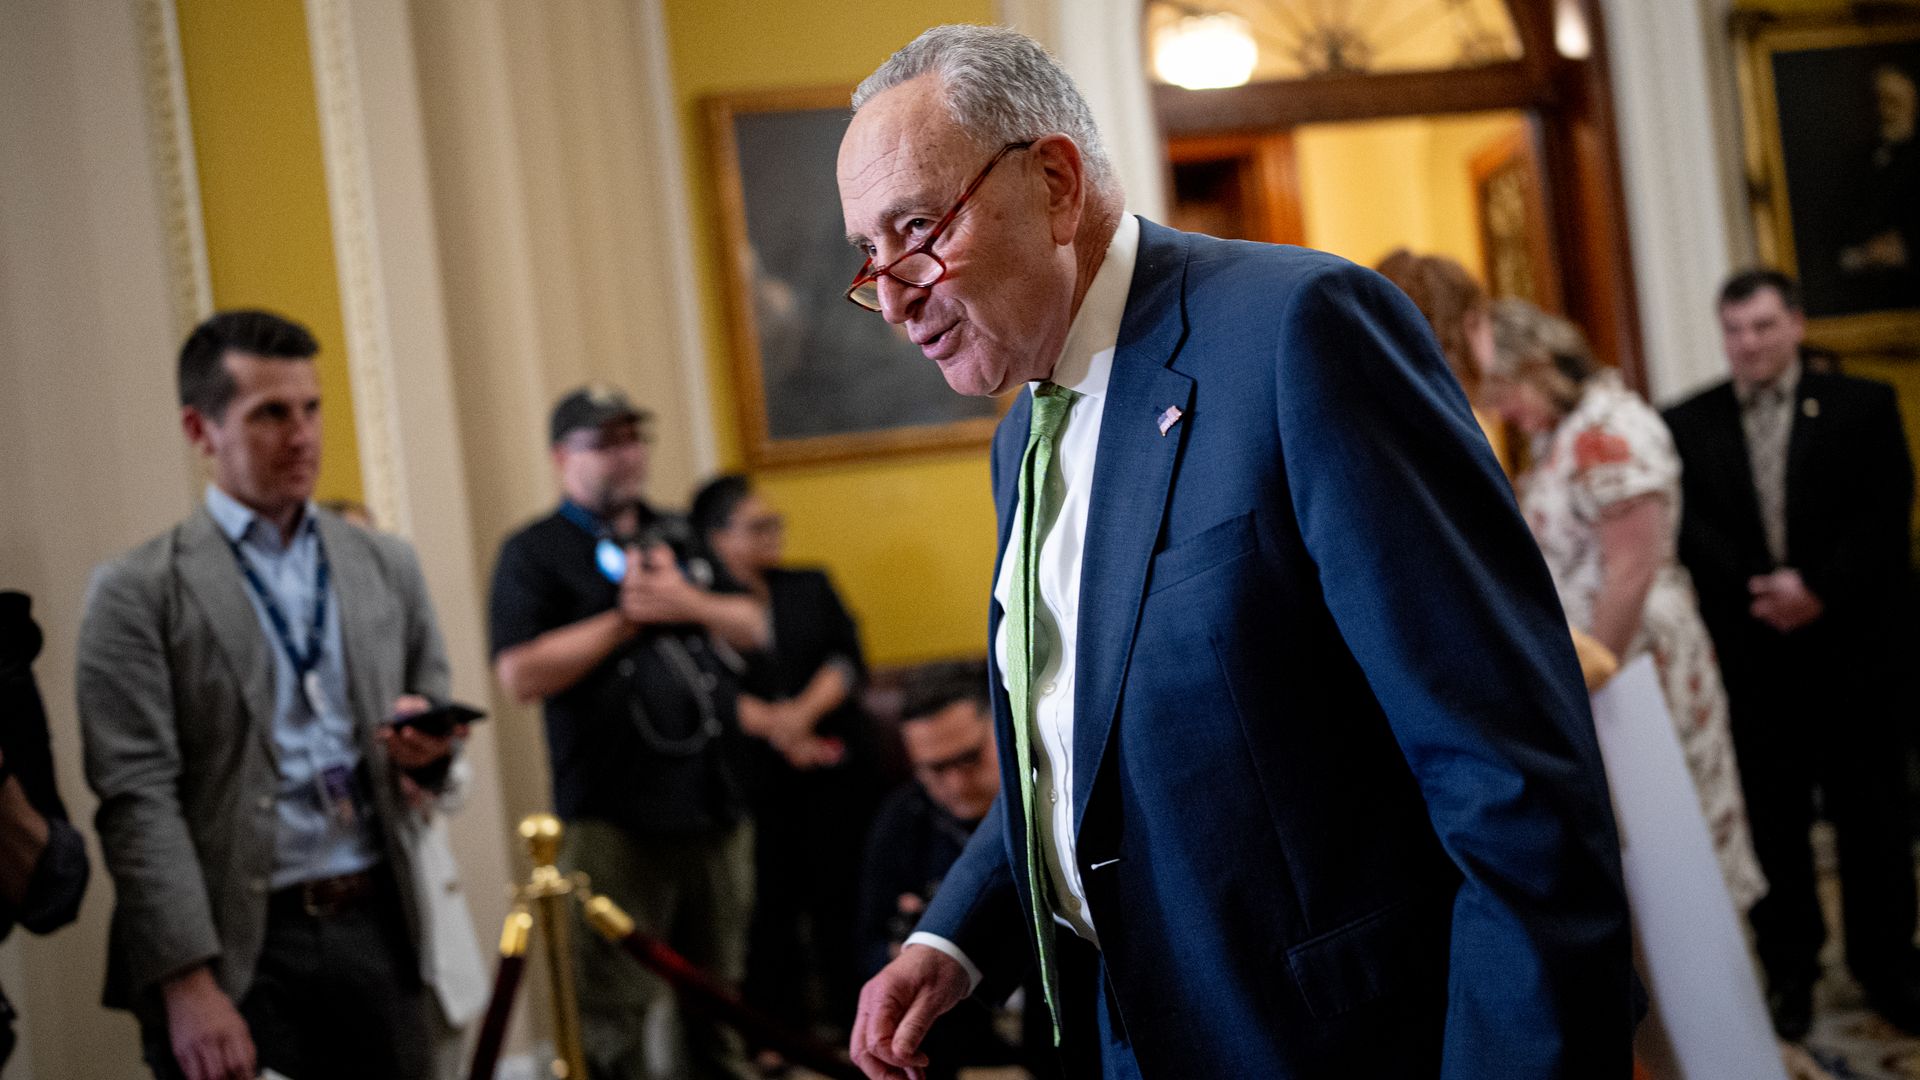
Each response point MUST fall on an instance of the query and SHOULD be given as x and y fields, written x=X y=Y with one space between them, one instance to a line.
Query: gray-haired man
x=1298 y=777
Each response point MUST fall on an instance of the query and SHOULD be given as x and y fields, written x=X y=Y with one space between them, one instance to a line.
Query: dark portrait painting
x=821 y=377
x=1851 y=165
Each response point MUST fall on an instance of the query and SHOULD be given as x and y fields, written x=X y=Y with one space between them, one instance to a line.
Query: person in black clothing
x=43 y=861
x=598 y=610
x=947 y=730
x=1796 y=492
x=814 y=789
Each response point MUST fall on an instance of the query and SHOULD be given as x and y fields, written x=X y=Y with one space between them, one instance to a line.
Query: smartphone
x=440 y=719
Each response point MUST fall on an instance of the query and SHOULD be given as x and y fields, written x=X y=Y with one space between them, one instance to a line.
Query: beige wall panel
x=562 y=244
x=385 y=212
x=90 y=458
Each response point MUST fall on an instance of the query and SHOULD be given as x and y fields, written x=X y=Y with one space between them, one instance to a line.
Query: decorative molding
x=190 y=282
x=677 y=214
x=363 y=306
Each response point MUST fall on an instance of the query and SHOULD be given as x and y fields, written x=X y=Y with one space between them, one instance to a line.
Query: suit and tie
x=192 y=730
x=1326 y=788
x=1819 y=706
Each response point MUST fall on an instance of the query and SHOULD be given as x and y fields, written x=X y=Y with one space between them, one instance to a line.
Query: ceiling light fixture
x=1206 y=52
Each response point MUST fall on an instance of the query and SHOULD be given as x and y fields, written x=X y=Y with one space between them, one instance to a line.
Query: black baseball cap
x=591 y=408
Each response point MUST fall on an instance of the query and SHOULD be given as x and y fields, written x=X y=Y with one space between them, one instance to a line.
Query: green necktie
x=1030 y=639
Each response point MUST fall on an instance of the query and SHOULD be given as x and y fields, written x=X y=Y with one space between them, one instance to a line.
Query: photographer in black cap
x=43 y=861
x=598 y=612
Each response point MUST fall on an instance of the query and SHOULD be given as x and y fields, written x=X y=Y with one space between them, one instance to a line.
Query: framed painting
x=1510 y=200
x=817 y=377
x=1833 y=169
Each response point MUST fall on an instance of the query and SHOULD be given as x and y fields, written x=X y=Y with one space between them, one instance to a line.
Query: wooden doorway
x=1234 y=161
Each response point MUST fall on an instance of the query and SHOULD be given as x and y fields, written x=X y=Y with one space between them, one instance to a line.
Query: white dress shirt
x=1085 y=363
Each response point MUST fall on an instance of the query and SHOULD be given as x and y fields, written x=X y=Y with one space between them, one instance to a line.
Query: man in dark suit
x=1299 y=778
x=1796 y=489
x=258 y=812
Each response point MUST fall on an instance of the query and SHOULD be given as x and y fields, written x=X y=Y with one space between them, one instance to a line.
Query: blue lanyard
x=608 y=556
x=316 y=640
x=585 y=519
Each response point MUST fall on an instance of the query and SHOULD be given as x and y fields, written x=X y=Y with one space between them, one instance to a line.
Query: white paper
x=1693 y=956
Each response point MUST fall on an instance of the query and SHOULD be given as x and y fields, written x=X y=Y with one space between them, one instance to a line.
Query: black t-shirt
x=648 y=739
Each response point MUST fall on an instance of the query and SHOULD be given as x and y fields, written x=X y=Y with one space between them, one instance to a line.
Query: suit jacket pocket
x=1196 y=553
x=1391 y=950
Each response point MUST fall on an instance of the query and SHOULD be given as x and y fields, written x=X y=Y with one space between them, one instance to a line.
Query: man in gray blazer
x=237 y=676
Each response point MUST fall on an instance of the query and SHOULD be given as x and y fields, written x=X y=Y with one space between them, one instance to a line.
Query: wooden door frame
x=1571 y=104
x=1267 y=164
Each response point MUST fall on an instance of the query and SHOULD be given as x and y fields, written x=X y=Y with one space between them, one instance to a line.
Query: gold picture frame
x=817 y=379
x=1818 y=169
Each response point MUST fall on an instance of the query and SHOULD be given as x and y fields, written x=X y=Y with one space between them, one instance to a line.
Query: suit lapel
x=1739 y=469
x=210 y=575
x=1007 y=450
x=1014 y=431
x=1803 y=438
x=1133 y=472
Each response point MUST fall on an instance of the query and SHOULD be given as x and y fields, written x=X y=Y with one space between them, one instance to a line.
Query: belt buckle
x=326 y=897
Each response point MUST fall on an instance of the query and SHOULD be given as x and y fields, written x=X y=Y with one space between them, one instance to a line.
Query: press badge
x=316 y=697
x=335 y=784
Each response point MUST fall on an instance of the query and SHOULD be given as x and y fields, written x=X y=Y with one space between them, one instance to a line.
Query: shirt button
x=266 y=803
x=1073 y=903
x=258 y=885
x=1046 y=688
x=1053 y=795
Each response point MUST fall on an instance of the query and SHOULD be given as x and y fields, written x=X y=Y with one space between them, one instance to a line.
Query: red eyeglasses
x=920 y=267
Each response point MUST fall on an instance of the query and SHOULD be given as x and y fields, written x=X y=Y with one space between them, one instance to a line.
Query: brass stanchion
x=544 y=897
x=548 y=889
x=543 y=901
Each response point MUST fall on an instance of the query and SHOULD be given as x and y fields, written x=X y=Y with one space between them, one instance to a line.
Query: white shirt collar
x=236 y=519
x=1086 y=360
x=1787 y=382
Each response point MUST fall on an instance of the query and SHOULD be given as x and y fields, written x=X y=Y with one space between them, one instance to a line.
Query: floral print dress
x=1613 y=447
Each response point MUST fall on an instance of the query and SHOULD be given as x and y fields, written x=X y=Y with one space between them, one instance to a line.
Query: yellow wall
x=1368 y=188
x=909 y=540
x=263 y=195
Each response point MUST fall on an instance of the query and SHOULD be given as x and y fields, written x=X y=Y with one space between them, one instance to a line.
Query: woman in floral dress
x=1603 y=498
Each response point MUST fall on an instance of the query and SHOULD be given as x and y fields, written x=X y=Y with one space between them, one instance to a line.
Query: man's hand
x=654 y=591
x=897 y=1007
x=210 y=1040
x=410 y=748
x=1783 y=601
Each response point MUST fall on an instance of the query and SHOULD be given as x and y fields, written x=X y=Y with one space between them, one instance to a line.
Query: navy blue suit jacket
x=1340 y=805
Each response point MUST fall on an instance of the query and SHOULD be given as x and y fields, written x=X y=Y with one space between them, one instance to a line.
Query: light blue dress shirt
x=312 y=838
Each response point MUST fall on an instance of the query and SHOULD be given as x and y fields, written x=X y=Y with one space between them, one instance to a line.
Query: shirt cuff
x=940 y=944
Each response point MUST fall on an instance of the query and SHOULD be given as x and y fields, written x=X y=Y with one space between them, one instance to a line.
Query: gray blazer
x=175 y=688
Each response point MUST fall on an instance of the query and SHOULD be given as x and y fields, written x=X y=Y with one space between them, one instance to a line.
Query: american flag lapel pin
x=1168 y=419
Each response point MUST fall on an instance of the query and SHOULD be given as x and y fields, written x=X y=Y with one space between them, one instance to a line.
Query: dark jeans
x=336 y=995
